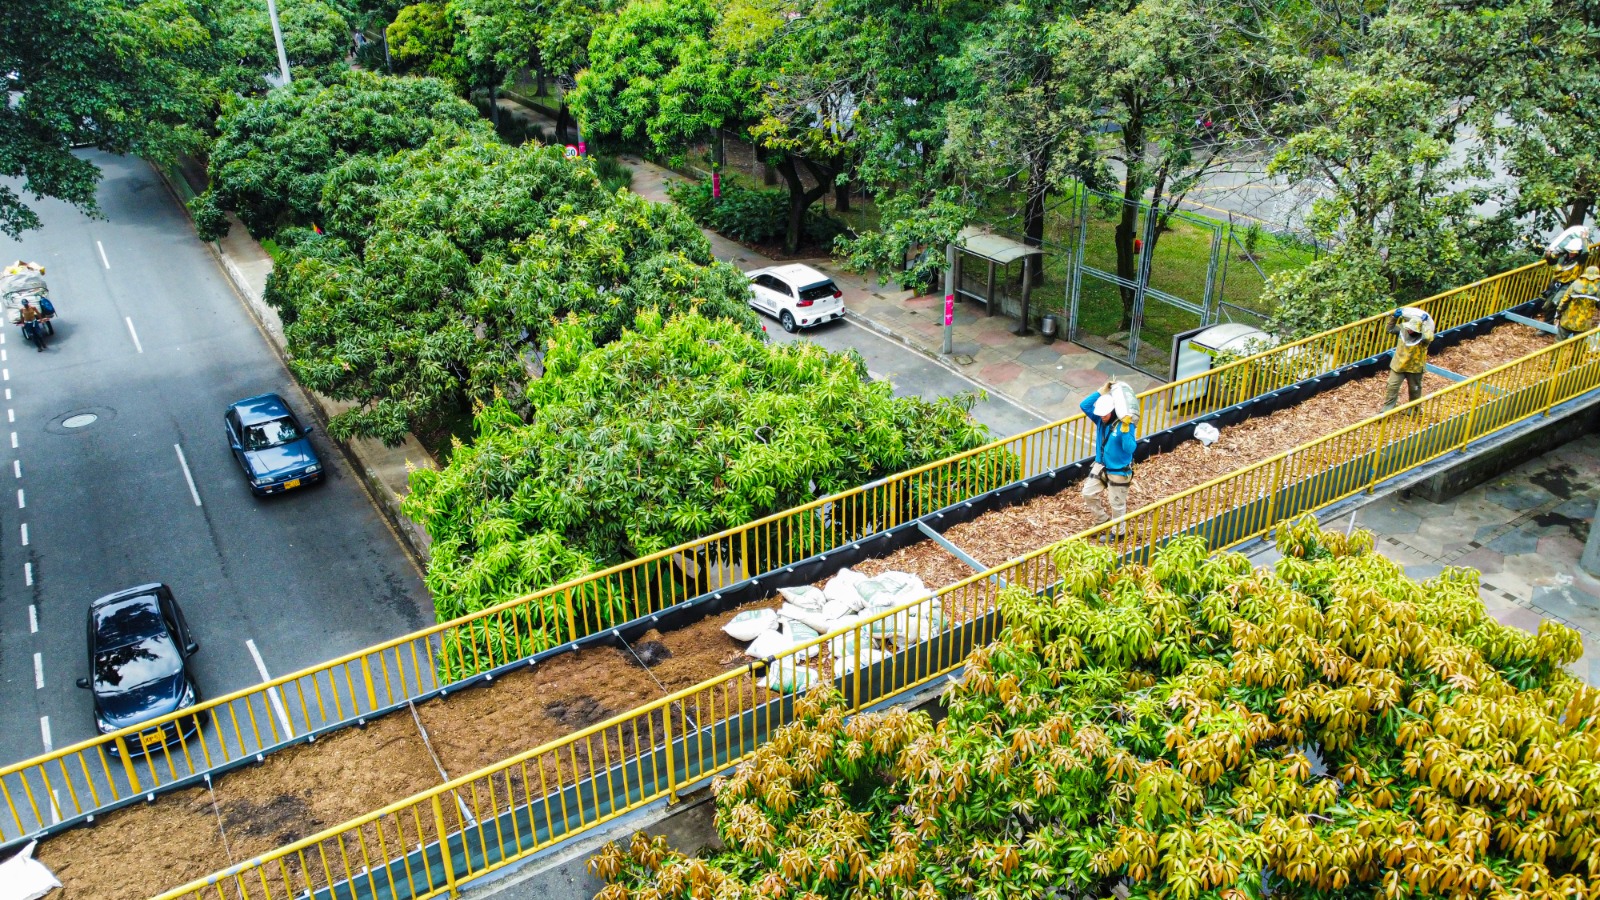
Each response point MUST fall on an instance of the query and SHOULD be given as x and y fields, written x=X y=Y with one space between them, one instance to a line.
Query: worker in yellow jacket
x=1567 y=255
x=1575 y=311
x=1414 y=328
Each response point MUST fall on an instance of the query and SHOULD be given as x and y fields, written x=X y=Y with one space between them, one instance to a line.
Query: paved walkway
x=1048 y=380
x=1524 y=530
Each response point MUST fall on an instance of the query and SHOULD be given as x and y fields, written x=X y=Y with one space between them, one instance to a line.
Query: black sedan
x=271 y=445
x=139 y=649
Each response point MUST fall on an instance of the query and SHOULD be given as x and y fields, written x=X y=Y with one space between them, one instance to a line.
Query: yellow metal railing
x=94 y=775
x=477 y=823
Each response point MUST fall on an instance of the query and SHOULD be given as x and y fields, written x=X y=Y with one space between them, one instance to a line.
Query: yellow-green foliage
x=1192 y=729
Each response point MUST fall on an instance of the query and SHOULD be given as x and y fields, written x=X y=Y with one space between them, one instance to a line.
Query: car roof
x=795 y=274
x=264 y=408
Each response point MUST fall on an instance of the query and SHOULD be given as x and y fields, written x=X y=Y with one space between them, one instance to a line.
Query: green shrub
x=612 y=173
x=751 y=215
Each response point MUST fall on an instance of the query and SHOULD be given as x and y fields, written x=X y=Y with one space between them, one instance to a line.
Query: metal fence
x=63 y=787
x=429 y=844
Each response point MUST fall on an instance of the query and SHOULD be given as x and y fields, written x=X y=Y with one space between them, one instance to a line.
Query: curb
x=944 y=362
x=386 y=501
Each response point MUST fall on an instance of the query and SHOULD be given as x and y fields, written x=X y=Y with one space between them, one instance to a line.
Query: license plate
x=292 y=483
x=153 y=739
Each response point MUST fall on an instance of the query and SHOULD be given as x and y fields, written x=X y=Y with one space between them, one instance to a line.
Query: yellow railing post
x=572 y=617
x=444 y=845
x=1377 y=452
x=366 y=678
x=672 y=756
x=1472 y=413
x=1555 y=375
x=1275 y=487
x=127 y=766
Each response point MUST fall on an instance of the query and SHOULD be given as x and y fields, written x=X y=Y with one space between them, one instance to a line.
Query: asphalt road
x=151 y=339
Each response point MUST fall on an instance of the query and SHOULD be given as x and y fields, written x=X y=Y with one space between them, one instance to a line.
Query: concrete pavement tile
x=1047 y=395
x=1485 y=560
x=1522 y=539
x=1439 y=536
x=1561 y=602
x=1389 y=518
x=1086 y=379
x=1560 y=550
x=1578 y=508
x=1423 y=571
x=1041 y=356
x=1518 y=617
x=1518 y=495
x=998 y=374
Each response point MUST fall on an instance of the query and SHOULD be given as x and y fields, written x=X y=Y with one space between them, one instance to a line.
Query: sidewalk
x=1523 y=530
x=1046 y=379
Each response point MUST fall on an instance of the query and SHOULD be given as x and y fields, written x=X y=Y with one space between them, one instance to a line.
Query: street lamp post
x=277 y=36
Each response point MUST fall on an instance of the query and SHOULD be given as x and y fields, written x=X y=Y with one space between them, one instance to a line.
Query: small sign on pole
x=571 y=152
x=949 y=309
x=716 y=185
x=583 y=149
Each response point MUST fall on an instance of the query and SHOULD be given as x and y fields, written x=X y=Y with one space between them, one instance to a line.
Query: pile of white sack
x=848 y=598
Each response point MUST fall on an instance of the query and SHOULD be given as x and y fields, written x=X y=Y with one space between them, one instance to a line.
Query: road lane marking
x=136 y=345
x=193 y=491
x=5 y=374
x=2 y=356
x=11 y=415
x=103 y=261
x=22 y=502
x=55 y=807
x=272 y=692
x=24 y=534
x=8 y=393
x=33 y=619
x=13 y=440
x=38 y=671
x=16 y=467
x=27 y=572
x=44 y=731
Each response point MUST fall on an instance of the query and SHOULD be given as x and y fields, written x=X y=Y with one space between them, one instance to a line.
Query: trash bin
x=1048 y=328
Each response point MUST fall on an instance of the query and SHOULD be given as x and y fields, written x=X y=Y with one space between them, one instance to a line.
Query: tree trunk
x=561 y=120
x=494 y=106
x=841 y=196
x=1132 y=192
x=538 y=78
x=1033 y=213
x=800 y=199
x=1578 y=210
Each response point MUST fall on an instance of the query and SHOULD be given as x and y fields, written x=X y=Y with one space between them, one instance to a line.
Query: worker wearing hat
x=1567 y=254
x=1414 y=328
x=1575 y=312
x=1114 y=442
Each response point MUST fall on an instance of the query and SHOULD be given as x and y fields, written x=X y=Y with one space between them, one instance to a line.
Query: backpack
x=46 y=308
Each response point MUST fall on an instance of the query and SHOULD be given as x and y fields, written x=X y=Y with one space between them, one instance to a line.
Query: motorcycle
x=24 y=282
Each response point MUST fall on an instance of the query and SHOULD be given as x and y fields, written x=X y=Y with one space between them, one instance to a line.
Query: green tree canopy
x=274 y=152
x=680 y=427
x=1191 y=729
x=120 y=76
x=444 y=268
x=422 y=41
x=316 y=37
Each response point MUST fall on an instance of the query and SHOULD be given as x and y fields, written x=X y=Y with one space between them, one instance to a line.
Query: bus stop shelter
x=998 y=252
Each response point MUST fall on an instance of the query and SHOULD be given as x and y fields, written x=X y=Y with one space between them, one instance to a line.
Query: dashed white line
x=2 y=356
x=13 y=440
x=27 y=572
x=55 y=807
x=33 y=619
x=24 y=534
x=193 y=491
x=22 y=502
x=136 y=345
x=272 y=693
x=44 y=731
x=103 y=261
x=16 y=467
x=38 y=671
x=5 y=374
x=11 y=415
x=8 y=390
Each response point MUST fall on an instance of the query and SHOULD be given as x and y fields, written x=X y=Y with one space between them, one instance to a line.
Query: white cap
x=1104 y=405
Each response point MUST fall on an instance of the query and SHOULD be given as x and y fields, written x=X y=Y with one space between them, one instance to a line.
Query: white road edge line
x=44 y=731
x=193 y=491
x=136 y=345
x=272 y=692
x=38 y=671
x=103 y=261
x=33 y=619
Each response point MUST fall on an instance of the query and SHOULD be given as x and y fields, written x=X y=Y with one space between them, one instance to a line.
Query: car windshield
x=272 y=433
x=818 y=291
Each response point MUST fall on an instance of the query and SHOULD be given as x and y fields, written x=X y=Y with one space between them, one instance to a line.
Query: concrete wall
x=1477 y=466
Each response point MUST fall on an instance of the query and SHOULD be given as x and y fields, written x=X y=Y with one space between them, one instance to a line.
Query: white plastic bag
x=748 y=625
x=1206 y=434
x=786 y=677
x=805 y=596
x=24 y=878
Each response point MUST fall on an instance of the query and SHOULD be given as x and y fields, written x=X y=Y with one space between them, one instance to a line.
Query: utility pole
x=949 y=296
x=277 y=36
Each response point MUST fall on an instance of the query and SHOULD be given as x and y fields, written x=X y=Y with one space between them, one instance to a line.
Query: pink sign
x=716 y=185
x=583 y=149
x=949 y=309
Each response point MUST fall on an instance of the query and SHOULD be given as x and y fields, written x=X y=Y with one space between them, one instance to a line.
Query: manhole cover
x=963 y=359
x=79 y=420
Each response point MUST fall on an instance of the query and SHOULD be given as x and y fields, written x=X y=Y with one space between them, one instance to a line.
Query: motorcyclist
x=1414 y=328
x=1575 y=311
x=1567 y=254
x=29 y=320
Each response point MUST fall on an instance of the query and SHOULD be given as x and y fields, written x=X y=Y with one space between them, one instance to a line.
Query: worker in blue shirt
x=1112 y=472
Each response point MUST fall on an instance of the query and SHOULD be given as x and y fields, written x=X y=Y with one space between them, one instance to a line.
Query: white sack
x=748 y=625
x=24 y=878
x=805 y=596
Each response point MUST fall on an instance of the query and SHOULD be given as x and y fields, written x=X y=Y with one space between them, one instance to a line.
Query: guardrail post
x=127 y=766
x=1555 y=376
x=1273 y=491
x=572 y=618
x=366 y=678
x=444 y=846
x=1472 y=413
x=1338 y=349
x=672 y=763
x=1377 y=452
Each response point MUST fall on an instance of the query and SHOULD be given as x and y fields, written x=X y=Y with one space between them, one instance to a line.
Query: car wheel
x=787 y=321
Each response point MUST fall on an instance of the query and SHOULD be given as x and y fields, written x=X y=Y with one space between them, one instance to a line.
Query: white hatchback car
x=799 y=296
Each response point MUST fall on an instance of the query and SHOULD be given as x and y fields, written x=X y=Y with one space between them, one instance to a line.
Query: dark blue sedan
x=271 y=445
x=139 y=649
